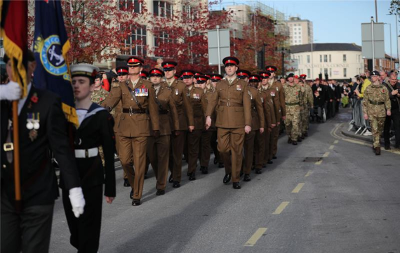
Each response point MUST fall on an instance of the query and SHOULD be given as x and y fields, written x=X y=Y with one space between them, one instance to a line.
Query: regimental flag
x=51 y=45
x=13 y=29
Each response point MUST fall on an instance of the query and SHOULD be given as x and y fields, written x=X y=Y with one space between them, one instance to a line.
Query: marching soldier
x=144 y=74
x=158 y=147
x=186 y=122
x=376 y=105
x=308 y=104
x=269 y=94
x=139 y=110
x=215 y=78
x=280 y=108
x=257 y=125
x=95 y=128
x=233 y=118
x=198 y=101
x=298 y=82
x=99 y=94
x=243 y=75
x=292 y=101
x=203 y=82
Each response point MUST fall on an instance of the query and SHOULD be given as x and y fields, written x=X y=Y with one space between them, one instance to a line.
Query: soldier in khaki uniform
x=279 y=106
x=298 y=82
x=376 y=105
x=186 y=122
x=257 y=125
x=233 y=117
x=270 y=94
x=139 y=110
x=198 y=102
x=158 y=147
x=308 y=104
x=215 y=78
x=292 y=101
x=122 y=73
x=204 y=83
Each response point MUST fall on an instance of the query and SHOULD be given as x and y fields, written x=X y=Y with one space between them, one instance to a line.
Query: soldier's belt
x=292 y=104
x=133 y=111
x=163 y=111
x=86 y=153
x=230 y=104
x=376 y=103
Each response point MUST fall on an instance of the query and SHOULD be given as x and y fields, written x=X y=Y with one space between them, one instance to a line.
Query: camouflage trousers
x=305 y=119
x=377 y=124
x=292 y=122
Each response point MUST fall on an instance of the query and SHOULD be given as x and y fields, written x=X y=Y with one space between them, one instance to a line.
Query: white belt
x=86 y=153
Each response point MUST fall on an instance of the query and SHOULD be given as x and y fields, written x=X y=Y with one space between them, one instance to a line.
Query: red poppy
x=143 y=86
x=34 y=98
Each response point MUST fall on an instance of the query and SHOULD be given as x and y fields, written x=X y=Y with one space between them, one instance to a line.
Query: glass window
x=308 y=72
x=330 y=72
x=325 y=58
x=320 y=58
x=330 y=58
x=345 y=72
x=308 y=58
x=344 y=58
x=137 y=42
x=325 y=71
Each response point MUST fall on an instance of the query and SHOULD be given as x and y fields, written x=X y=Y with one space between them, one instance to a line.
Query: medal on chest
x=176 y=92
x=262 y=100
x=33 y=124
x=142 y=92
x=196 y=96
x=273 y=93
x=239 y=87
x=251 y=95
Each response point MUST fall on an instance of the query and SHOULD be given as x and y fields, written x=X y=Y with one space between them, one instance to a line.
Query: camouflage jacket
x=376 y=100
x=98 y=96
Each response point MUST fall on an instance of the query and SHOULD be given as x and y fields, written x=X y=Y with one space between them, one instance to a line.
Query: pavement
x=327 y=194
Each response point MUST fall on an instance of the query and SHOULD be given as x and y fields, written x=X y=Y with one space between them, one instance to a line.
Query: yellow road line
x=336 y=142
x=281 y=207
x=318 y=163
x=254 y=238
x=331 y=147
x=308 y=173
x=298 y=188
x=326 y=154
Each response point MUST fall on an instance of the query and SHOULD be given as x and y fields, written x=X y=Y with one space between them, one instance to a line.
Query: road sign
x=377 y=42
x=224 y=46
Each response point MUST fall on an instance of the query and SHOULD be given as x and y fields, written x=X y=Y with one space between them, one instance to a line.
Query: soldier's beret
x=216 y=77
x=230 y=60
x=374 y=73
x=242 y=73
x=156 y=72
x=135 y=61
x=201 y=79
x=254 y=78
x=121 y=71
x=271 y=68
x=290 y=75
x=264 y=75
x=169 y=65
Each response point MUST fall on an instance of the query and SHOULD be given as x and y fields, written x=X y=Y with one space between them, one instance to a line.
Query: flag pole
x=17 y=181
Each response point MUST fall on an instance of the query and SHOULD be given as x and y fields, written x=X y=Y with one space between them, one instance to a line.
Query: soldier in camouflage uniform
x=298 y=82
x=376 y=105
x=308 y=100
x=99 y=94
x=293 y=102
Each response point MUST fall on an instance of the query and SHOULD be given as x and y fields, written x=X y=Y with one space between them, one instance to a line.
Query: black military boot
x=126 y=182
x=227 y=178
x=246 y=178
x=378 y=151
x=236 y=186
x=204 y=169
x=192 y=176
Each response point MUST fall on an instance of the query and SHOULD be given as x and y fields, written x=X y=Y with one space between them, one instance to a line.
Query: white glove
x=77 y=201
x=10 y=91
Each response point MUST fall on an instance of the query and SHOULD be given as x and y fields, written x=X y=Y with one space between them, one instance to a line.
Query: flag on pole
x=14 y=30
x=51 y=45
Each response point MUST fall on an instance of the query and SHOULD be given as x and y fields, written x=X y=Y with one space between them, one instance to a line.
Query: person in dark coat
x=42 y=127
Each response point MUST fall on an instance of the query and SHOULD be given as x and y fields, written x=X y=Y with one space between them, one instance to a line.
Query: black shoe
x=274 y=157
x=227 y=178
x=176 y=184
x=215 y=160
x=378 y=151
x=136 y=202
x=126 y=182
x=170 y=179
x=246 y=178
x=131 y=194
x=221 y=165
x=258 y=171
x=204 y=170
x=236 y=186
x=160 y=192
x=294 y=142
x=270 y=162
x=192 y=176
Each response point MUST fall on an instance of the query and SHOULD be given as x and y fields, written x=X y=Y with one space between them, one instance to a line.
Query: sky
x=336 y=21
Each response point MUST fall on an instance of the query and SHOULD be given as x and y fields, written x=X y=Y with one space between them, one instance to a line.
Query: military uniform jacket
x=292 y=98
x=38 y=178
x=169 y=118
x=98 y=96
x=234 y=106
x=183 y=107
x=96 y=130
x=276 y=104
x=197 y=99
x=269 y=110
x=257 y=111
x=117 y=112
x=309 y=96
x=376 y=100
x=134 y=124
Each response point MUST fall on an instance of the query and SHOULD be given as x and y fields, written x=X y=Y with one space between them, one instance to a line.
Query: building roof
x=325 y=47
